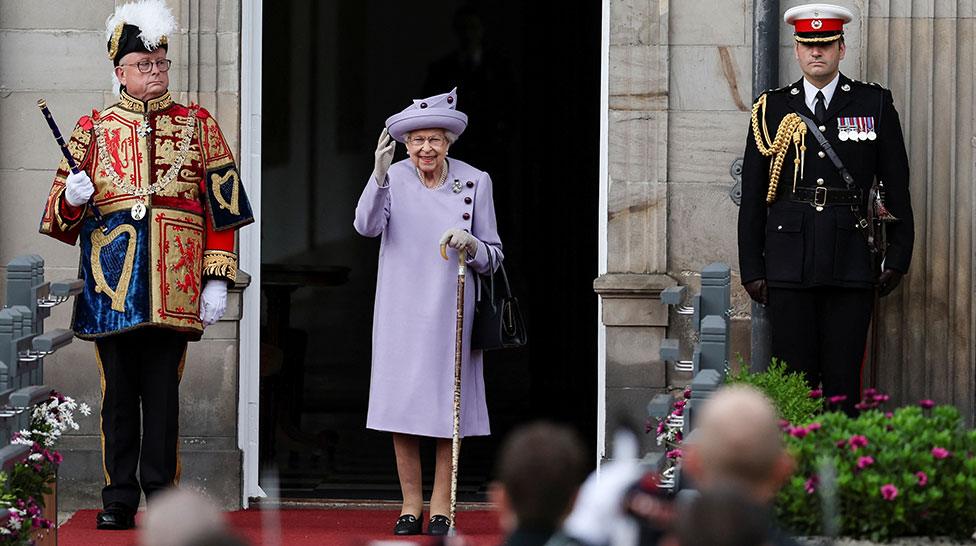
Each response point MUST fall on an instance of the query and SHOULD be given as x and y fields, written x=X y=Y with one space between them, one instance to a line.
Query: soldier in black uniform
x=803 y=242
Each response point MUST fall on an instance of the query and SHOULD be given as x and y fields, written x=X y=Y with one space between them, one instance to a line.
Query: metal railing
x=24 y=344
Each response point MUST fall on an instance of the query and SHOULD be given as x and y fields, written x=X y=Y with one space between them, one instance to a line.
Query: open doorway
x=528 y=78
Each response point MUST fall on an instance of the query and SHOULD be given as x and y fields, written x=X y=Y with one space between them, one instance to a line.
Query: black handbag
x=498 y=320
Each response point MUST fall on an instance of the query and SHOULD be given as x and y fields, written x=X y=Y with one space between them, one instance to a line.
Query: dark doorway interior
x=528 y=77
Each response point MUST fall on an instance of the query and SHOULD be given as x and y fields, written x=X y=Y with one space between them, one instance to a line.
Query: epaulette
x=875 y=85
x=771 y=90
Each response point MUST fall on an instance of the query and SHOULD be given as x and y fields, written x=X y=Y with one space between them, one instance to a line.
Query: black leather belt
x=821 y=196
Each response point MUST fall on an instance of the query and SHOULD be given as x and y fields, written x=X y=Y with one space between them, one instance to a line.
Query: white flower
x=84 y=409
x=36 y=457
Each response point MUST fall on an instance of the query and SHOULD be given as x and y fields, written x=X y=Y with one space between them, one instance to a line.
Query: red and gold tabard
x=170 y=197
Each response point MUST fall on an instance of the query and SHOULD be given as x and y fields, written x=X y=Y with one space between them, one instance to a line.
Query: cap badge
x=816 y=24
x=794 y=91
x=846 y=87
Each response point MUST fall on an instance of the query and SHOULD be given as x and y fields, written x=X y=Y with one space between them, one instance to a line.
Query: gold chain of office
x=182 y=150
x=791 y=129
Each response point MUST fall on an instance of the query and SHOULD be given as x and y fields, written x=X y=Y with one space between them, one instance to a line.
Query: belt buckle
x=820 y=198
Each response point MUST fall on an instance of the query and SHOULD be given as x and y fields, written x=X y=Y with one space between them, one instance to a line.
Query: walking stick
x=458 y=341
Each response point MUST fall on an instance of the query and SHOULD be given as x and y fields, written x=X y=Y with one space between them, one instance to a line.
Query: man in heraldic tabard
x=157 y=262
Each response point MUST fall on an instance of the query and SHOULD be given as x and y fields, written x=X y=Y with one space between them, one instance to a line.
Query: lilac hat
x=437 y=112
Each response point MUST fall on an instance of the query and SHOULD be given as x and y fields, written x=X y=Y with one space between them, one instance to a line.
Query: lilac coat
x=412 y=382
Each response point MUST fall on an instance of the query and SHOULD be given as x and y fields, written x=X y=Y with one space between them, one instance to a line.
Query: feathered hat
x=437 y=112
x=140 y=26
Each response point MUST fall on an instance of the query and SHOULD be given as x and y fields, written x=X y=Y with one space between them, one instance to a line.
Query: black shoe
x=115 y=519
x=438 y=525
x=407 y=524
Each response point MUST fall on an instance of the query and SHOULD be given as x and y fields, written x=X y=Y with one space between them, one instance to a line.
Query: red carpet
x=299 y=528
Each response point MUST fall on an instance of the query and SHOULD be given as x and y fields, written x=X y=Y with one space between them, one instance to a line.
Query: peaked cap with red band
x=814 y=23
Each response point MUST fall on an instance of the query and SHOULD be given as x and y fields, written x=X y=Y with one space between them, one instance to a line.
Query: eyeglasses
x=146 y=66
x=434 y=141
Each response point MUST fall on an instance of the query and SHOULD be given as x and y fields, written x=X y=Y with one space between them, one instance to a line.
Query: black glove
x=757 y=291
x=888 y=281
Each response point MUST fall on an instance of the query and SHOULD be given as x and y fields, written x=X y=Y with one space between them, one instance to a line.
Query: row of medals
x=855 y=129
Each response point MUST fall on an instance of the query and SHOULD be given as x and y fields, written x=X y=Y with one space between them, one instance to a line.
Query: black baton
x=42 y=104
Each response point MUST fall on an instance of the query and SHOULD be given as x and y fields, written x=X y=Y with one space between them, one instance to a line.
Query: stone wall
x=56 y=50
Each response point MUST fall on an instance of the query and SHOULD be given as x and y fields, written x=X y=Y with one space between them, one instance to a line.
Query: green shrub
x=788 y=391
x=906 y=473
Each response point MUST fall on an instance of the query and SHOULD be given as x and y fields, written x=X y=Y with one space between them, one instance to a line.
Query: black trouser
x=141 y=366
x=822 y=332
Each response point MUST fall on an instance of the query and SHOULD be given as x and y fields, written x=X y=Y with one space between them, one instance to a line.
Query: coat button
x=820 y=181
x=822 y=128
x=470 y=184
x=466 y=216
x=467 y=200
x=779 y=227
x=821 y=154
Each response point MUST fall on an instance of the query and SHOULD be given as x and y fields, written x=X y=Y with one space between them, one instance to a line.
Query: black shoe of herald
x=407 y=524
x=115 y=519
x=438 y=525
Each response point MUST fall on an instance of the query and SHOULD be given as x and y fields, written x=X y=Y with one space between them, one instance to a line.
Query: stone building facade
x=677 y=94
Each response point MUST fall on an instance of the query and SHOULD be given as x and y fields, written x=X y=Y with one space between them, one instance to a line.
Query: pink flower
x=811 y=484
x=812 y=427
x=841 y=443
x=674 y=454
x=857 y=441
x=678 y=412
x=837 y=399
x=816 y=393
x=940 y=452
x=889 y=492
x=784 y=425
x=680 y=404
x=864 y=462
x=923 y=478
x=870 y=392
x=660 y=428
x=926 y=404
x=880 y=398
x=889 y=415
x=798 y=432
x=678 y=437
x=687 y=393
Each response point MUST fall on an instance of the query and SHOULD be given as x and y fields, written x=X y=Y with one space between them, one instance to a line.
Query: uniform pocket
x=784 y=247
x=852 y=259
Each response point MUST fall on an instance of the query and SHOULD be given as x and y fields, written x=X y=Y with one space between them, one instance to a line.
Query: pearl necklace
x=440 y=181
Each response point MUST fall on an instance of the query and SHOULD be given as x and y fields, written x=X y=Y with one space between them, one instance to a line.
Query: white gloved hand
x=213 y=301
x=383 y=156
x=459 y=240
x=78 y=189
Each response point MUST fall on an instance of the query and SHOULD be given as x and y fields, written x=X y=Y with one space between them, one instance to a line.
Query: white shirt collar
x=810 y=92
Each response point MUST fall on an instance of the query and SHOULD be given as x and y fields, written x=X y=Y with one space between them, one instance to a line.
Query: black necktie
x=819 y=109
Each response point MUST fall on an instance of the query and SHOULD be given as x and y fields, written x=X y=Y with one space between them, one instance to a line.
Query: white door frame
x=249 y=379
x=248 y=422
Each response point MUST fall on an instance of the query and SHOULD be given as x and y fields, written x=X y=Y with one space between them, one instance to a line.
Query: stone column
x=633 y=314
x=925 y=52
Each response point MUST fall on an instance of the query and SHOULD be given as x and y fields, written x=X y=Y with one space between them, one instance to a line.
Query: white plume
x=153 y=17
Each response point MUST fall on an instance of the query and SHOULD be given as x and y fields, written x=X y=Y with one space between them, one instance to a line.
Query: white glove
x=213 y=301
x=459 y=240
x=383 y=156
x=78 y=189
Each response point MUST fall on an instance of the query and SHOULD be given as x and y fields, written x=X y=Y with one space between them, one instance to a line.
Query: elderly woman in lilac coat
x=416 y=205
